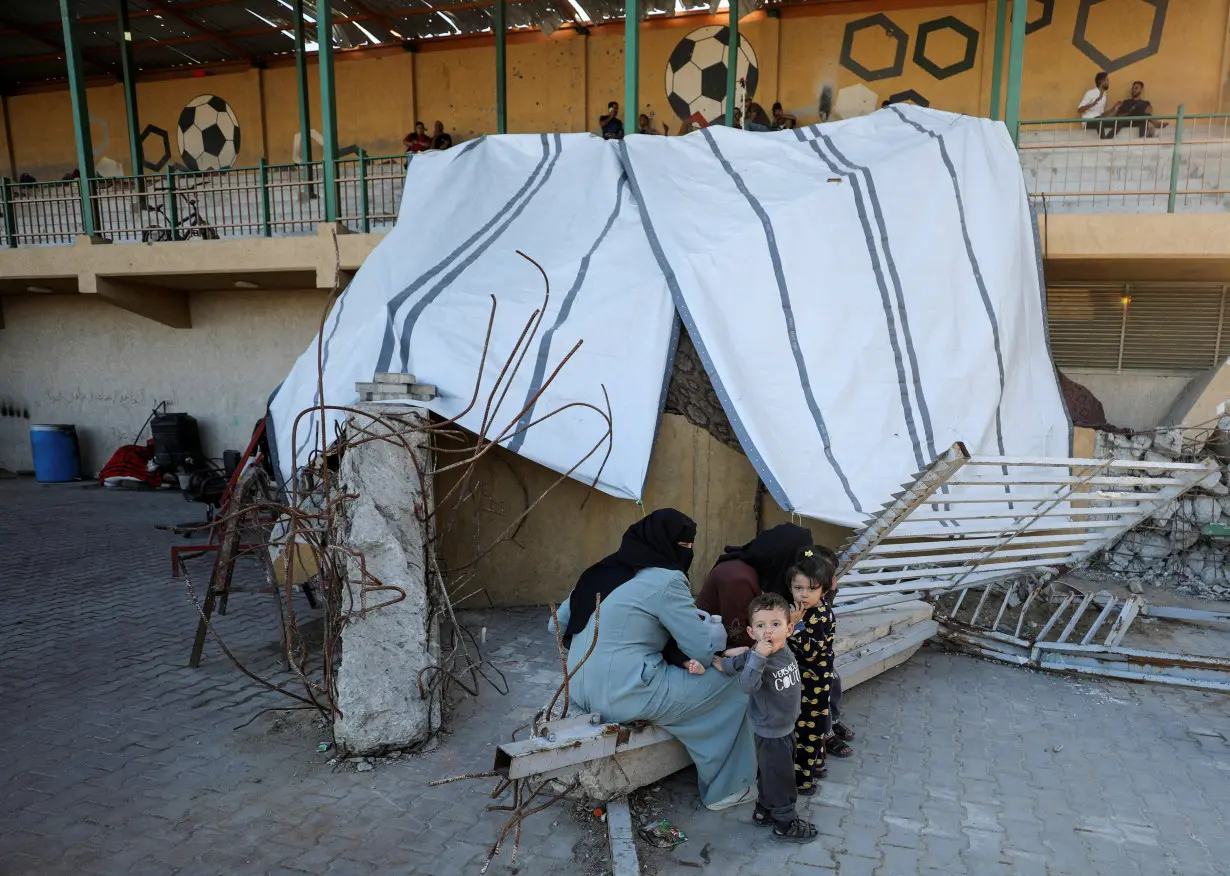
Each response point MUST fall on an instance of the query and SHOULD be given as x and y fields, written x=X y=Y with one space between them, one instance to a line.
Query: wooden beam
x=166 y=306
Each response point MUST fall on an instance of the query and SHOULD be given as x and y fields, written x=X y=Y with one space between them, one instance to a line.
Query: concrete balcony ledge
x=155 y=279
x=1168 y=247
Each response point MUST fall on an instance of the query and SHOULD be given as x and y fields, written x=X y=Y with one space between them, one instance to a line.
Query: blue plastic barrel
x=57 y=456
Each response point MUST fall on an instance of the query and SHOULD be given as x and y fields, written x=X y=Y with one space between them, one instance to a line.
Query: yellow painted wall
x=546 y=85
x=458 y=88
x=811 y=50
x=1187 y=68
x=689 y=470
x=563 y=82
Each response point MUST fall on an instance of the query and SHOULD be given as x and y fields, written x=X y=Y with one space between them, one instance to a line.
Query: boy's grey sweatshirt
x=775 y=688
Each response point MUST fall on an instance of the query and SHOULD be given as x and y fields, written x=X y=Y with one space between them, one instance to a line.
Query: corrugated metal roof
x=169 y=34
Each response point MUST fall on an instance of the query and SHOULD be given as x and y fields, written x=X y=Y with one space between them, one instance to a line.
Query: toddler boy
x=769 y=674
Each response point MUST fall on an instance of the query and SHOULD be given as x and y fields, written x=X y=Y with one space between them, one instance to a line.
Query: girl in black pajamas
x=811 y=578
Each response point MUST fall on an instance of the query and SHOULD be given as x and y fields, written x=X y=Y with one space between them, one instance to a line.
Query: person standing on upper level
x=611 y=125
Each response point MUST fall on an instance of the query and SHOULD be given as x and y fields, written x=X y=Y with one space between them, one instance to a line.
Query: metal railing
x=369 y=191
x=269 y=200
x=1136 y=164
x=1175 y=163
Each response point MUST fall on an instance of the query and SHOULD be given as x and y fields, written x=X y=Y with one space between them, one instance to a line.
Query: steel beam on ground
x=328 y=104
x=81 y=114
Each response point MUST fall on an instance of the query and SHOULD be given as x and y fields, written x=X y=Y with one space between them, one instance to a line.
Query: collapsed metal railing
x=1006 y=528
x=968 y=521
x=1062 y=641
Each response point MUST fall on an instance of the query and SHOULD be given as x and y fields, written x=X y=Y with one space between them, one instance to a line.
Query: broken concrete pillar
x=386 y=644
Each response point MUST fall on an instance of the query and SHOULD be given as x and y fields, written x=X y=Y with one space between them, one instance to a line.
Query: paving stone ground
x=119 y=759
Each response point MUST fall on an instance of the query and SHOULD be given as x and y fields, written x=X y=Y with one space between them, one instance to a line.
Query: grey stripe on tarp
x=337 y=318
x=431 y=295
x=902 y=311
x=386 y=347
x=470 y=145
x=341 y=301
x=973 y=263
x=324 y=359
x=1063 y=400
x=885 y=302
x=672 y=282
x=544 y=345
x=788 y=313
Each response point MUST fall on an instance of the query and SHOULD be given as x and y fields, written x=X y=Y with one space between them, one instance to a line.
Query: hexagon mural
x=159 y=134
x=208 y=134
x=948 y=22
x=696 y=73
x=1044 y=17
x=1149 y=43
x=890 y=28
x=909 y=96
x=855 y=100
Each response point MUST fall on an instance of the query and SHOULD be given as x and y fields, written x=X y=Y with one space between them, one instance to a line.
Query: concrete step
x=883 y=654
x=858 y=629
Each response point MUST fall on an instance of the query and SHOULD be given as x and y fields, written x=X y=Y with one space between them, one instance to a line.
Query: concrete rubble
x=385 y=387
x=1174 y=546
x=384 y=650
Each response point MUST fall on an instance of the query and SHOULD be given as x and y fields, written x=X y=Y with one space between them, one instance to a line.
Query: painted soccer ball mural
x=208 y=134
x=696 y=73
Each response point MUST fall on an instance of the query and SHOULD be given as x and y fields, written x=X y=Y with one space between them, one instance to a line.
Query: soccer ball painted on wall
x=696 y=73
x=208 y=134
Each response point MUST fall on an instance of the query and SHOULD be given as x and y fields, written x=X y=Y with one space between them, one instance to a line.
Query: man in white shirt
x=1093 y=106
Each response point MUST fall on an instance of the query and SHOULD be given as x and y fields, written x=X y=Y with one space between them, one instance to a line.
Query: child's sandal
x=837 y=748
x=797 y=831
x=842 y=732
x=807 y=790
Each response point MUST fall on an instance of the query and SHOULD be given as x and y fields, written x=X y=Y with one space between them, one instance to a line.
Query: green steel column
x=10 y=218
x=129 y=70
x=997 y=69
x=1175 y=158
x=301 y=80
x=1016 y=66
x=501 y=69
x=266 y=219
x=81 y=116
x=732 y=63
x=632 y=62
x=328 y=104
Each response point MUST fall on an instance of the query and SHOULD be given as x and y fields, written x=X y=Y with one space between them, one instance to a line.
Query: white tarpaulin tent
x=862 y=293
